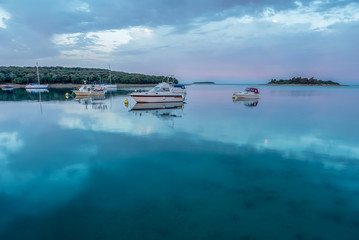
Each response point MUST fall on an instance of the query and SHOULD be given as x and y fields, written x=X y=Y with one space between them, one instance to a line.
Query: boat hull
x=139 y=98
x=36 y=86
x=246 y=96
x=88 y=94
x=110 y=86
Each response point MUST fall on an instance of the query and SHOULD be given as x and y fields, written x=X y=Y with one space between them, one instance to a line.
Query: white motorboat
x=36 y=85
x=89 y=90
x=248 y=93
x=159 y=94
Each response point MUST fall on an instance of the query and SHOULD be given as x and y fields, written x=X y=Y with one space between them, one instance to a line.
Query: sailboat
x=110 y=86
x=36 y=85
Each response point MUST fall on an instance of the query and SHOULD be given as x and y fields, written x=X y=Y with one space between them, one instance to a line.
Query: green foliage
x=24 y=75
x=304 y=81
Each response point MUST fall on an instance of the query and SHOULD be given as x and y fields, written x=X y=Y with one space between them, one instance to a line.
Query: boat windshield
x=155 y=89
x=163 y=87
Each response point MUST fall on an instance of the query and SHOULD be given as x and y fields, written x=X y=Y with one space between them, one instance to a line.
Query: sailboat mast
x=109 y=68
x=37 y=71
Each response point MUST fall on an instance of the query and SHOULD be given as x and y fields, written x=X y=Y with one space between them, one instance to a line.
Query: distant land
x=303 y=81
x=75 y=75
x=204 y=83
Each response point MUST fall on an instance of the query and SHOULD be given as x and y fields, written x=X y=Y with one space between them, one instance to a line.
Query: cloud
x=96 y=44
x=10 y=141
x=4 y=16
x=313 y=16
x=193 y=39
x=79 y=6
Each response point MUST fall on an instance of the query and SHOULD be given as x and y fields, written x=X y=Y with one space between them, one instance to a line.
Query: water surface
x=285 y=167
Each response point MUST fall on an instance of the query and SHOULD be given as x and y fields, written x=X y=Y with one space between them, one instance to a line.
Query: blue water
x=285 y=167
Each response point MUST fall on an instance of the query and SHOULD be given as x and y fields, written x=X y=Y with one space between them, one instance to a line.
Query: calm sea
x=283 y=167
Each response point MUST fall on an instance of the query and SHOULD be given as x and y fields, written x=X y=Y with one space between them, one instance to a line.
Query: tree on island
x=76 y=75
x=302 y=81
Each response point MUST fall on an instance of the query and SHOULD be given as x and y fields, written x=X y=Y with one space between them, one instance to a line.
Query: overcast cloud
x=226 y=41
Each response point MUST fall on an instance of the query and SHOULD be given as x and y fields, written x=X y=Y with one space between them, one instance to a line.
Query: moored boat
x=247 y=93
x=36 y=85
x=7 y=87
x=159 y=94
x=89 y=90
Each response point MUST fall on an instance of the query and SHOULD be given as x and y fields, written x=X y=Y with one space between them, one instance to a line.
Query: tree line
x=306 y=81
x=76 y=75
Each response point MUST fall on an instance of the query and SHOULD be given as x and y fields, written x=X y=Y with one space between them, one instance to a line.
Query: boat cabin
x=162 y=87
x=253 y=90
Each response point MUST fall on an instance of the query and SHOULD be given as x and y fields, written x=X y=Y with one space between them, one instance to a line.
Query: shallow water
x=285 y=167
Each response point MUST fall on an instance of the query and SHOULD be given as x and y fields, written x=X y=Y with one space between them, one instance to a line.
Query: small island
x=203 y=83
x=303 y=81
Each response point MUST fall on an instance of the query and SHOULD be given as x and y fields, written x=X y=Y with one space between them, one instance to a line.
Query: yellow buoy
x=233 y=97
x=126 y=102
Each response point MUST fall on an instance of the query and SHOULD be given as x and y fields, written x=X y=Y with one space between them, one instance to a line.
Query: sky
x=226 y=41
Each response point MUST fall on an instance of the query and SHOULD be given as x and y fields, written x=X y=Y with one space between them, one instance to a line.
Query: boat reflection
x=96 y=102
x=164 y=111
x=246 y=102
x=37 y=90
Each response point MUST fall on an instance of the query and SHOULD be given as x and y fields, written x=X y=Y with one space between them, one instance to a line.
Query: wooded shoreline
x=76 y=75
x=59 y=85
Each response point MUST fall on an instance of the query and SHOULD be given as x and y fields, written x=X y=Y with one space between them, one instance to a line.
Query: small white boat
x=248 y=93
x=89 y=90
x=36 y=85
x=110 y=86
x=7 y=87
x=159 y=94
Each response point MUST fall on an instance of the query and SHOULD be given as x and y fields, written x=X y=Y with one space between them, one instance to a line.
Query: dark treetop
x=302 y=81
x=76 y=75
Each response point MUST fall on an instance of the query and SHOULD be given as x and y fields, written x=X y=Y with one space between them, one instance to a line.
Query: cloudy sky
x=220 y=40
